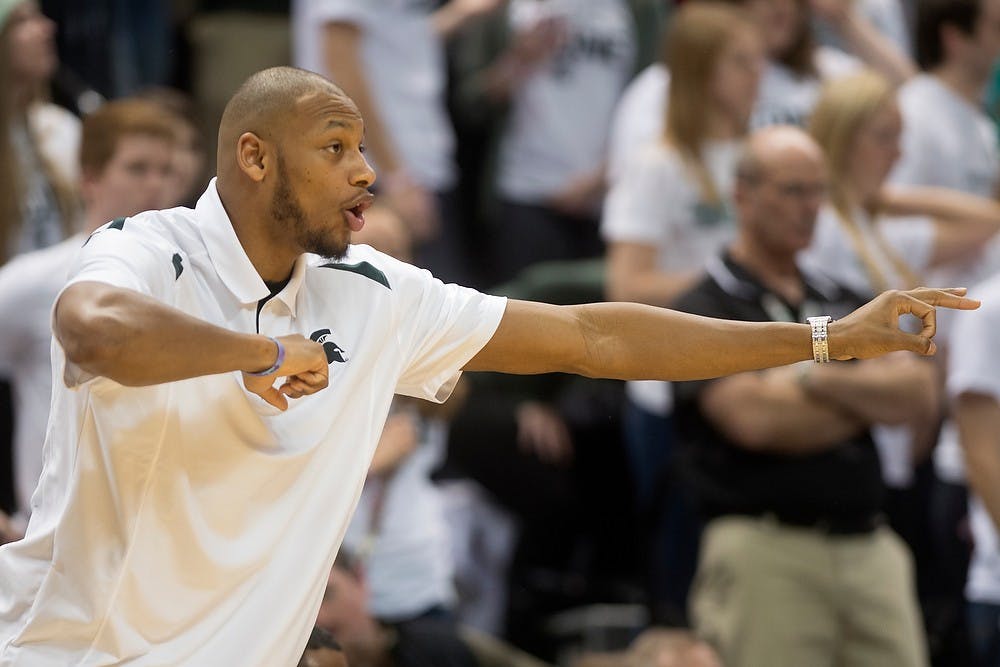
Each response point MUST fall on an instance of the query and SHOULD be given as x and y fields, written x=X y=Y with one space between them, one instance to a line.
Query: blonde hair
x=697 y=36
x=845 y=105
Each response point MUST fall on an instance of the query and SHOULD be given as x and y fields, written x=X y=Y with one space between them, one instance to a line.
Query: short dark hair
x=932 y=15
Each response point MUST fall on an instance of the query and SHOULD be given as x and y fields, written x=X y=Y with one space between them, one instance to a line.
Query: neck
x=778 y=272
x=962 y=82
x=720 y=126
x=269 y=254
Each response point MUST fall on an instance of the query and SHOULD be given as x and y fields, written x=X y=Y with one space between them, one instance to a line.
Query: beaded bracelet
x=277 y=362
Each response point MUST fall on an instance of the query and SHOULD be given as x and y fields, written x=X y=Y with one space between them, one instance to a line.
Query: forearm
x=656 y=288
x=875 y=49
x=635 y=341
x=941 y=203
x=877 y=391
x=768 y=412
x=135 y=340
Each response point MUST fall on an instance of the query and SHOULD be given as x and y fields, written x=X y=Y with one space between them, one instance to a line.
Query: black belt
x=826 y=525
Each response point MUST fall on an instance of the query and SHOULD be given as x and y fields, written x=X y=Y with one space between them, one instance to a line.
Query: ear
x=252 y=156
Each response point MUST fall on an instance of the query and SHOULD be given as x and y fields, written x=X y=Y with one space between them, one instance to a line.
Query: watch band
x=820 y=338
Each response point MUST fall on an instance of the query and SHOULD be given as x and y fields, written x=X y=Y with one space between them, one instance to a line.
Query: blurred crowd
x=745 y=159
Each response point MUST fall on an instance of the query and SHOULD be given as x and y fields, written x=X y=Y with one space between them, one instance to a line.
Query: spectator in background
x=795 y=565
x=874 y=238
x=344 y=613
x=948 y=140
x=668 y=214
x=796 y=69
x=799 y=67
x=550 y=73
x=188 y=178
x=38 y=141
x=974 y=387
x=125 y=162
x=389 y=57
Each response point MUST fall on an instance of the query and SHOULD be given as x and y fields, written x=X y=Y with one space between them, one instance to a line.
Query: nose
x=363 y=176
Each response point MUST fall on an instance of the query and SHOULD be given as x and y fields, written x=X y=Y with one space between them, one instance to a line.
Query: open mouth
x=355 y=212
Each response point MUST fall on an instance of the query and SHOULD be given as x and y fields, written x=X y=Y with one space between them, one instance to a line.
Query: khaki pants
x=770 y=595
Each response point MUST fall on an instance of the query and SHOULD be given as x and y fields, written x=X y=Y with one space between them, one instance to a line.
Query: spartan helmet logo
x=333 y=351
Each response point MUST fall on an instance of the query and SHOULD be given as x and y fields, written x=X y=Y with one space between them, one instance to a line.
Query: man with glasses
x=796 y=566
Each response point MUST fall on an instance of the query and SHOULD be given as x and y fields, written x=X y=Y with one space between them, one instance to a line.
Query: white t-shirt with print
x=973 y=367
x=831 y=251
x=190 y=522
x=786 y=98
x=406 y=73
x=558 y=123
x=658 y=202
x=946 y=142
x=638 y=118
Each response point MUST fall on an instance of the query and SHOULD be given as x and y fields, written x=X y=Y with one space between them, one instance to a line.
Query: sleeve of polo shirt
x=974 y=352
x=126 y=259
x=122 y=258
x=439 y=328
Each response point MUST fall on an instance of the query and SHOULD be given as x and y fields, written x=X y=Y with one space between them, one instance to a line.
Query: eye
x=362 y=148
x=336 y=147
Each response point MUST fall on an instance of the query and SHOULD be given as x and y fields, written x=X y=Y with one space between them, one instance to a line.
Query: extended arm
x=978 y=419
x=631 y=341
x=136 y=340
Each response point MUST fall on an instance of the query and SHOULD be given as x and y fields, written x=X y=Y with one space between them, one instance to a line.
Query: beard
x=287 y=212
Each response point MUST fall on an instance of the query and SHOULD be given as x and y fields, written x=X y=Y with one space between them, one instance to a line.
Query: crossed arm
x=136 y=340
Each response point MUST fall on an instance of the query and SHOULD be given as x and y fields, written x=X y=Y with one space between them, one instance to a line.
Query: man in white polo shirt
x=188 y=513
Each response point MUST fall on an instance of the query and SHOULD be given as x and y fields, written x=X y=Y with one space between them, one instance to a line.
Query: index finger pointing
x=951 y=297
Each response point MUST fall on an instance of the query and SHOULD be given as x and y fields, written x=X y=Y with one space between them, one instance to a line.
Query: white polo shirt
x=191 y=523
